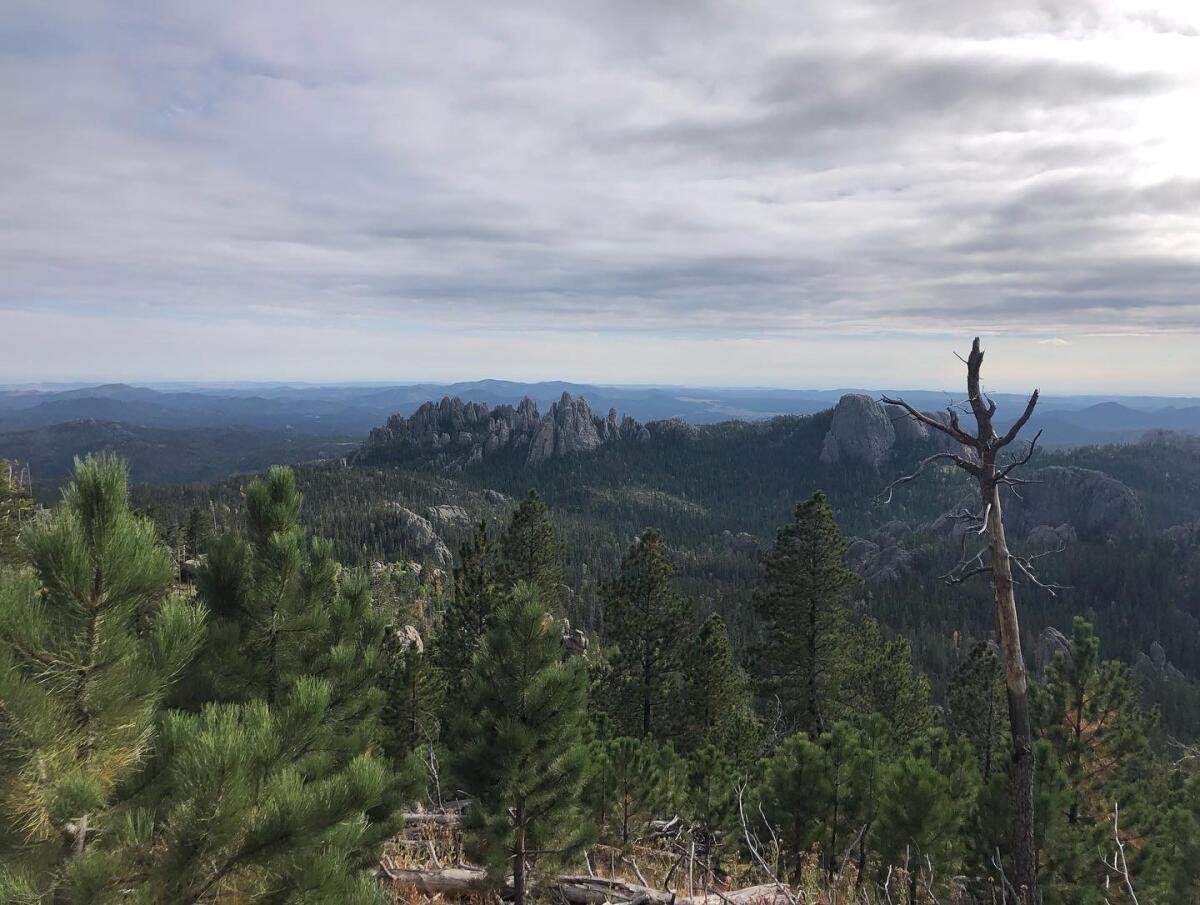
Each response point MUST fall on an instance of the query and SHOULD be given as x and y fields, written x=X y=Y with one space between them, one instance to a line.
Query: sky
x=804 y=194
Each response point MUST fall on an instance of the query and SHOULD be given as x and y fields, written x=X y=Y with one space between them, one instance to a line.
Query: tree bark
x=1023 y=843
x=519 y=858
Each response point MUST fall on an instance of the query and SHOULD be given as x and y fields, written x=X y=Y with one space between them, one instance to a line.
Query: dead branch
x=754 y=845
x=575 y=890
x=950 y=430
x=928 y=460
x=1119 y=866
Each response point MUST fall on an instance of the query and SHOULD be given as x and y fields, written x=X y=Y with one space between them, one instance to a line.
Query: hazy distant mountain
x=157 y=455
x=336 y=409
x=285 y=418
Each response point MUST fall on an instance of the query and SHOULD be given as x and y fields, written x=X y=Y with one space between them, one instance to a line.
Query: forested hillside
x=250 y=721
x=1129 y=558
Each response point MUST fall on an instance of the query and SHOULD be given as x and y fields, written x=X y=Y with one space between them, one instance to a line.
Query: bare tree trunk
x=1020 y=785
x=519 y=858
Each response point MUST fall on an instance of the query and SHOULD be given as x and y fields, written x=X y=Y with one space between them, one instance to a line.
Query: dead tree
x=980 y=458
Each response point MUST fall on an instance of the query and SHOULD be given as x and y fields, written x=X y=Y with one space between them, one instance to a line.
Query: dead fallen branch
x=576 y=890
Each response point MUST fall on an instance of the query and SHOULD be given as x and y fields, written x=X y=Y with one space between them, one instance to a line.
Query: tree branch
x=950 y=430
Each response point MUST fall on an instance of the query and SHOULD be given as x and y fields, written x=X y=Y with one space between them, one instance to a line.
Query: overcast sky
x=802 y=193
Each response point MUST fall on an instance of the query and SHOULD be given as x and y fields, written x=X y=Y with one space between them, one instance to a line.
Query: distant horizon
x=158 y=385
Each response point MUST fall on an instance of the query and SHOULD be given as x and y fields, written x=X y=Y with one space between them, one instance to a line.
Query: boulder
x=883 y=558
x=408 y=636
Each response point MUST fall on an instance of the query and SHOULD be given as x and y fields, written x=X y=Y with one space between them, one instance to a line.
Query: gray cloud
x=724 y=168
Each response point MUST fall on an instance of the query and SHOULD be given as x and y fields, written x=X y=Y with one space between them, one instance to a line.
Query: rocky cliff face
x=866 y=432
x=455 y=434
x=1092 y=503
x=1061 y=504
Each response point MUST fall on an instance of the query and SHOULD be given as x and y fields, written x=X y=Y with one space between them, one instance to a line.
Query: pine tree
x=523 y=759
x=465 y=619
x=274 y=781
x=529 y=552
x=803 y=603
x=792 y=785
x=631 y=783
x=199 y=531
x=646 y=621
x=978 y=710
x=879 y=679
x=718 y=706
x=16 y=509
x=820 y=794
x=89 y=644
x=415 y=694
x=920 y=814
x=711 y=800
x=1089 y=713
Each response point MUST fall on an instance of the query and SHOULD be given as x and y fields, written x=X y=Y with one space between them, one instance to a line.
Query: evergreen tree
x=631 y=783
x=16 y=509
x=978 y=710
x=89 y=644
x=920 y=815
x=295 y=651
x=529 y=552
x=793 y=781
x=523 y=759
x=250 y=809
x=475 y=595
x=646 y=622
x=803 y=603
x=199 y=530
x=711 y=800
x=879 y=679
x=1172 y=856
x=819 y=794
x=718 y=706
x=415 y=694
x=1089 y=713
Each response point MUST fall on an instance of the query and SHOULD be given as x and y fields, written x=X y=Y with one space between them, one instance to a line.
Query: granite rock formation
x=453 y=434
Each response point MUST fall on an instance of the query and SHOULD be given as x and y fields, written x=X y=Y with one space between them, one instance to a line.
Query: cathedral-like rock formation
x=455 y=434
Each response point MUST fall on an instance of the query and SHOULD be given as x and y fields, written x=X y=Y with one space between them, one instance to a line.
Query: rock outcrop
x=569 y=427
x=861 y=431
x=1049 y=643
x=1094 y=504
x=908 y=429
x=454 y=434
x=741 y=542
x=883 y=557
x=1061 y=504
x=420 y=539
x=866 y=431
x=450 y=516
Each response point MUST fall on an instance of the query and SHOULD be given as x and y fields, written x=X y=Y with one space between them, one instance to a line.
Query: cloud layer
x=691 y=171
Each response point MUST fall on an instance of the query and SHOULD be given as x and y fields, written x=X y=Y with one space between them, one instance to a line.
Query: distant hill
x=160 y=456
x=331 y=411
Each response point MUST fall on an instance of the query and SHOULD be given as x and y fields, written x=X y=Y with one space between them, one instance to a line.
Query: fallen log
x=431 y=818
x=457 y=882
